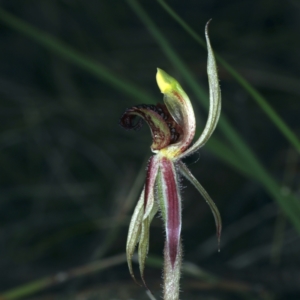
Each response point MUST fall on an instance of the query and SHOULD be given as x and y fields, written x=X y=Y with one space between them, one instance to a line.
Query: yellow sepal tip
x=164 y=81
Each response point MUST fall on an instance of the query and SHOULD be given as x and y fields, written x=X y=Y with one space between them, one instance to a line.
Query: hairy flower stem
x=172 y=274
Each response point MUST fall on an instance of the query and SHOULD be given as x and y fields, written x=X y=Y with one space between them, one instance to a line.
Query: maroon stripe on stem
x=173 y=208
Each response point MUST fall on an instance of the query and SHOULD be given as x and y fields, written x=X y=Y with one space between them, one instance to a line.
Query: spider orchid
x=172 y=126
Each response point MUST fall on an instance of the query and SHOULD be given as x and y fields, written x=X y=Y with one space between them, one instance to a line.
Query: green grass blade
x=261 y=101
x=68 y=53
x=291 y=207
x=225 y=153
x=33 y=287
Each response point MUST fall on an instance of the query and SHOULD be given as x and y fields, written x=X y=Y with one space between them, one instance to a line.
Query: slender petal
x=144 y=240
x=214 y=99
x=139 y=233
x=180 y=107
x=149 y=185
x=188 y=175
x=134 y=231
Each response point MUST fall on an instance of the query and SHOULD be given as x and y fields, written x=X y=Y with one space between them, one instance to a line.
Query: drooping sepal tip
x=206 y=26
x=183 y=169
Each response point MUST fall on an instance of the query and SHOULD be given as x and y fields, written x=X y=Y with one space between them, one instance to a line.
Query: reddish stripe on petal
x=189 y=124
x=173 y=208
x=150 y=178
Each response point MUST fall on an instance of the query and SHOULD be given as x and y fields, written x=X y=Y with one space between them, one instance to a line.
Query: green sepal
x=159 y=195
x=214 y=100
x=190 y=177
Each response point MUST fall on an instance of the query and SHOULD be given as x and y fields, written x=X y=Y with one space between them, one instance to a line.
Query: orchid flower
x=172 y=126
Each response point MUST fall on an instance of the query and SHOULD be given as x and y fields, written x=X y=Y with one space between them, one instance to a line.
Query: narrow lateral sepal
x=190 y=177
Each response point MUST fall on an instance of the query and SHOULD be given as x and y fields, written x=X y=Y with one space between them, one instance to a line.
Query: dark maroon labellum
x=164 y=129
x=128 y=118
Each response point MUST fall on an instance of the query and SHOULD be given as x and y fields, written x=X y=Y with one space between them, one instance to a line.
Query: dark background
x=70 y=175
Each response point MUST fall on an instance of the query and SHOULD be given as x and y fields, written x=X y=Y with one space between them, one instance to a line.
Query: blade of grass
x=226 y=154
x=68 y=53
x=33 y=287
x=126 y=204
x=289 y=204
x=261 y=101
x=39 y=285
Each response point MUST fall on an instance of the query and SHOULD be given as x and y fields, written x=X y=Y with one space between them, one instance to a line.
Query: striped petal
x=172 y=202
x=152 y=171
